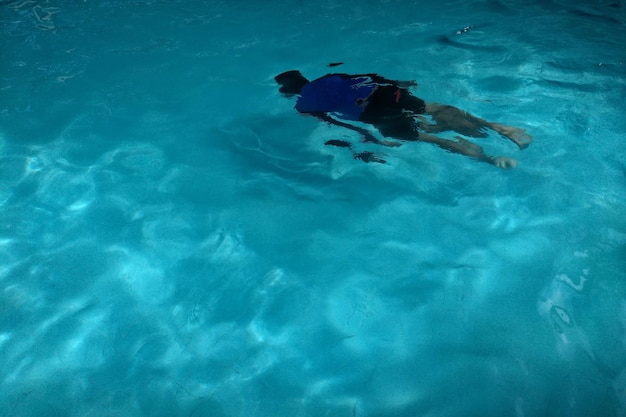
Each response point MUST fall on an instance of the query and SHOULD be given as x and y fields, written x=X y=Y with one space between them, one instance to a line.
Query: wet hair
x=291 y=82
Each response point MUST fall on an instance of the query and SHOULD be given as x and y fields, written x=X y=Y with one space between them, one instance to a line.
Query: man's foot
x=515 y=134
x=505 y=162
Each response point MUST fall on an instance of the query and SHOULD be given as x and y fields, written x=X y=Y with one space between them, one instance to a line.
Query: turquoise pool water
x=175 y=239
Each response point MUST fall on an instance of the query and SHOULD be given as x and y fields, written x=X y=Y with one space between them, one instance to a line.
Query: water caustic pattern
x=176 y=240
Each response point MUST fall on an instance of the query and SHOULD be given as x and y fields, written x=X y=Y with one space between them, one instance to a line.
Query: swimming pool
x=175 y=239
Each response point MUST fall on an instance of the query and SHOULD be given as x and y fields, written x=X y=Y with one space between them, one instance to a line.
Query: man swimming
x=395 y=112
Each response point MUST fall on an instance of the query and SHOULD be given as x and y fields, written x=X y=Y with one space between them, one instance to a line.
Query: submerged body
x=394 y=111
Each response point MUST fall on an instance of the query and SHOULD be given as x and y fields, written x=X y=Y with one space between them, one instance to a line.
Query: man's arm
x=367 y=135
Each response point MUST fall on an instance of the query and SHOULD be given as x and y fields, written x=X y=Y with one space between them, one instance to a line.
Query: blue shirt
x=343 y=97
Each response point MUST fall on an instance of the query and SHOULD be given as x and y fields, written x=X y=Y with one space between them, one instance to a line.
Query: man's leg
x=406 y=129
x=451 y=118
x=467 y=148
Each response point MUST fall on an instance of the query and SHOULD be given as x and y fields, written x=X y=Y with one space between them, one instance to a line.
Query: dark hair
x=291 y=82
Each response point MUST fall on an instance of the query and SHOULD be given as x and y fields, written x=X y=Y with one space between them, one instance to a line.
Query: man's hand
x=391 y=143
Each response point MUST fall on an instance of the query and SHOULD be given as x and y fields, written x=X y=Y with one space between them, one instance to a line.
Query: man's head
x=291 y=82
